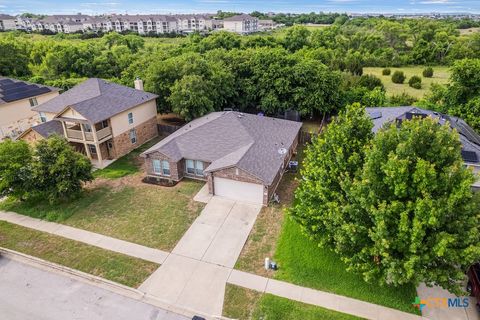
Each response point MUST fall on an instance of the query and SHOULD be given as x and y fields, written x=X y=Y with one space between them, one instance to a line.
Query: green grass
x=302 y=262
x=126 y=165
x=244 y=304
x=76 y=255
x=440 y=75
x=153 y=216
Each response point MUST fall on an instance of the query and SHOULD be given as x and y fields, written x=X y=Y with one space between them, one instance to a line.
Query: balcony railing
x=77 y=134
x=74 y=134
x=103 y=133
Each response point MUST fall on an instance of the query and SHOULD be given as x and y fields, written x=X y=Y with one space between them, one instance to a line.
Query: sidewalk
x=318 y=298
x=94 y=239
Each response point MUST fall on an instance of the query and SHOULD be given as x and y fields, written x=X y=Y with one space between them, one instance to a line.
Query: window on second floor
x=130 y=118
x=43 y=116
x=33 y=102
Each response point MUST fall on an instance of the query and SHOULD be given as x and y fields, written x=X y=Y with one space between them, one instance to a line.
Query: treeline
x=314 y=72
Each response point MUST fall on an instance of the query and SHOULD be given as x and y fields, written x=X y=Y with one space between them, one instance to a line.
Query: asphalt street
x=29 y=293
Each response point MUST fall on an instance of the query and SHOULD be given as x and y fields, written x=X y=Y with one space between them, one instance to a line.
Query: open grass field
x=245 y=304
x=152 y=216
x=440 y=75
x=76 y=255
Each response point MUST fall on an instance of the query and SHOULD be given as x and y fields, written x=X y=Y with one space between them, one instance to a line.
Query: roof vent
x=282 y=151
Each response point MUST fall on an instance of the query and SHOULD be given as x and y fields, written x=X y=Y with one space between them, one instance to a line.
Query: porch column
x=64 y=129
x=99 y=154
x=83 y=133
x=97 y=146
x=87 y=149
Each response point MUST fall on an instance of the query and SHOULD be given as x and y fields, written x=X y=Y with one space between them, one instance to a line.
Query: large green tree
x=330 y=165
x=15 y=165
x=415 y=208
x=58 y=171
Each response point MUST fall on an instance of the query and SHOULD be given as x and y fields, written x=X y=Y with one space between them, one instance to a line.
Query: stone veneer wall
x=145 y=131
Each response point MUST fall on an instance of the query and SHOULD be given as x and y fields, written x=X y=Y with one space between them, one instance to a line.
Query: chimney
x=138 y=84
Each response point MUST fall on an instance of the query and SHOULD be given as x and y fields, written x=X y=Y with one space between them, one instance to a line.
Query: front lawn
x=76 y=255
x=128 y=164
x=244 y=304
x=149 y=215
x=302 y=262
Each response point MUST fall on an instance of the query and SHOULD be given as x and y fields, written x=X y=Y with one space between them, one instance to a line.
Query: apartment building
x=17 y=100
x=100 y=119
x=242 y=24
x=7 y=22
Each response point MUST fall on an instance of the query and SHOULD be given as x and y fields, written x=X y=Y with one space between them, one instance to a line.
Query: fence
x=167 y=128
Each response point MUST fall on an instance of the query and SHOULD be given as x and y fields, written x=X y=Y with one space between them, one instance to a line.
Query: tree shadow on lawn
x=302 y=262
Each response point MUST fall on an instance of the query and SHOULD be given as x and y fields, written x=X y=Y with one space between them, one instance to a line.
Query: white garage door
x=237 y=190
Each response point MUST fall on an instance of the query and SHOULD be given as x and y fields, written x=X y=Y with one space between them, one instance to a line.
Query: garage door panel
x=238 y=190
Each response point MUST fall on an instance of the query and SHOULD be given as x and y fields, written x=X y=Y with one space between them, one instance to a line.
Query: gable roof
x=232 y=139
x=13 y=90
x=45 y=129
x=469 y=139
x=97 y=100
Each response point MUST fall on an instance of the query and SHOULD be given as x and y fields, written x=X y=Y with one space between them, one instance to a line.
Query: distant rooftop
x=468 y=137
x=12 y=90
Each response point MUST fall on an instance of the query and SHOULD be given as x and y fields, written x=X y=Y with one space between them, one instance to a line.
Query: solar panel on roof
x=375 y=115
x=25 y=94
x=12 y=86
x=5 y=81
x=469 y=156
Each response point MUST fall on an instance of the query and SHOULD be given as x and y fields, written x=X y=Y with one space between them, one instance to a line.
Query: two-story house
x=103 y=120
x=17 y=99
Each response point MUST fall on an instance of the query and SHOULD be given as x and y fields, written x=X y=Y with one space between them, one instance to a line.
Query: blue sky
x=186 y=6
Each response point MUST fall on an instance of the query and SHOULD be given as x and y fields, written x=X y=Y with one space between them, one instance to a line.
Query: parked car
x=473 y=284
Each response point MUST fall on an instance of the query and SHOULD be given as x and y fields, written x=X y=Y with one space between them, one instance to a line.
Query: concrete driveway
x=219 y=233
x=29 y=293
x=195 y=273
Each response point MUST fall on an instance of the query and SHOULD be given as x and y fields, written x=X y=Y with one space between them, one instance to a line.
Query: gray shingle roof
x=48 y=128
x=14 y=90
x=228 y=139
x=468 y=137
x=97 y=100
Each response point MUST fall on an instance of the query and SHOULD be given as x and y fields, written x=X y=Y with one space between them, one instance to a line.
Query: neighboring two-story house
x=17 y=99
x=100 y=119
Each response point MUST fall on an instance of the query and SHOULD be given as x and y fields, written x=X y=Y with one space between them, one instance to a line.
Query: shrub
x=370 y=81
x=415 y=82
x=386 y=71
x=428 y=72
x=402 y=99
x=398 y=77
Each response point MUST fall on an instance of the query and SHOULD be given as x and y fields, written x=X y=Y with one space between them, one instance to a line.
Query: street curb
x=101 y=283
